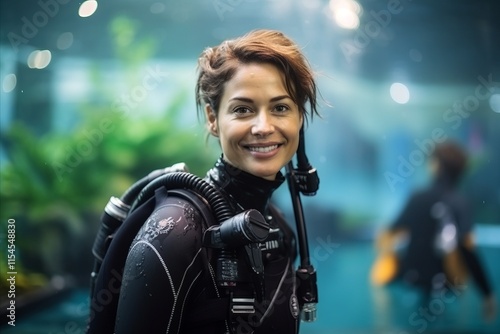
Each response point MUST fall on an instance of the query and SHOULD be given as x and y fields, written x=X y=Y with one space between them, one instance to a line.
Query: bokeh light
x=87 y=8
x=400 y=93
x=495 y=103
x=346 y=13
x=39 y=59
x=9 y=82
x=65 y=40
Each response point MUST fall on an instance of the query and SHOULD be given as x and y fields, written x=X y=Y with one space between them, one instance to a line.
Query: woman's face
x=258 y=123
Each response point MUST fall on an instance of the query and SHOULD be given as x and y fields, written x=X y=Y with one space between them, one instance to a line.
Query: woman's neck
x=247 y=190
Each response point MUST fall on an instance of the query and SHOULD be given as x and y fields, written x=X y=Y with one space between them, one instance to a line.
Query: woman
x=253 y=91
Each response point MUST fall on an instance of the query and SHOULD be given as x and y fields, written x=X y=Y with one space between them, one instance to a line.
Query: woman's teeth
x=263 y=149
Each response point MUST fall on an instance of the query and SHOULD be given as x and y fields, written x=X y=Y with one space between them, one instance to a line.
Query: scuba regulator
x=303 y=179
x=244 y=231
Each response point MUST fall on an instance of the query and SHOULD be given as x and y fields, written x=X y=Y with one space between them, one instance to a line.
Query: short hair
x=217 y=65
x=452 y=159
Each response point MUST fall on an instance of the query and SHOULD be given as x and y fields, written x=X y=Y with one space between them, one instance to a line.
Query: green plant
x=56 y=185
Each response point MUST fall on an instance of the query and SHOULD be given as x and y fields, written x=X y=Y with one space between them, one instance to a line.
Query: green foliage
x=128 y=47
x=105 y=154
x=56 y=185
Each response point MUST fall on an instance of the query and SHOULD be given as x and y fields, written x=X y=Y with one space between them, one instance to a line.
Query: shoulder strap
x=104 y=301
x=198 y=202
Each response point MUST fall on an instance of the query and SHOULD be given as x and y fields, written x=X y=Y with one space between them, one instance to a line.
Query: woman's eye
x=281 y=108
x=241 y=110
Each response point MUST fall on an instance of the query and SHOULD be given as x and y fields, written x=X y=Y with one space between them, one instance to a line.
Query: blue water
x=66 y=315
x=348 y=303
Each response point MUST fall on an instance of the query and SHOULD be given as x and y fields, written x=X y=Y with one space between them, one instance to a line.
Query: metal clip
x=243 y=305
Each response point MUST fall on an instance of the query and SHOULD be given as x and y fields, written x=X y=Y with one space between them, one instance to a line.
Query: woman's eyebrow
x=242 y=99
x=248 y=100
x=281 y=97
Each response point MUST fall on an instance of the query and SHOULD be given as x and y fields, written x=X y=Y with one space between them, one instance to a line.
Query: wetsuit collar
x=249 y=191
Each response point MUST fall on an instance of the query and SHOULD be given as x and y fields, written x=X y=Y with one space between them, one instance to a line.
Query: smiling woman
x=253 y=91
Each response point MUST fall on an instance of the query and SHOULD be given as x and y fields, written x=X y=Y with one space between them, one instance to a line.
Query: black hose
x=303 y=179
x=184 y=180
x=302 y=161
x=299 y=217
x=131 y=193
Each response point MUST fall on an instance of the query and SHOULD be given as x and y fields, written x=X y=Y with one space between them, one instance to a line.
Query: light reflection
x=346 y=13
x=495 y=102
x=400 y=93
x=9 y=82
x=64 y=41
x=39 y=59
x=449 y=232
x=346 y=18
x=87 y=8
x=350 y=4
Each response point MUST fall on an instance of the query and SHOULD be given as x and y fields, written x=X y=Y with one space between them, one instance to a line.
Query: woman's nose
x=263 y=124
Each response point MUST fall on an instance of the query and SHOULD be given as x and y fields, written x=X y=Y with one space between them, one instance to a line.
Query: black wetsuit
x=169 y=281
x=421 y=261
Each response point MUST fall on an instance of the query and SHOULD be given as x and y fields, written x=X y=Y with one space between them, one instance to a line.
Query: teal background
x=117 y=100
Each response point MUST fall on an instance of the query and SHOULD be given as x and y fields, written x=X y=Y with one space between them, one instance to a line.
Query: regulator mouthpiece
x=245 y=228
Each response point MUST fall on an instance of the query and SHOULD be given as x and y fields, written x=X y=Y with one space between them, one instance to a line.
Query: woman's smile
x=262 y=149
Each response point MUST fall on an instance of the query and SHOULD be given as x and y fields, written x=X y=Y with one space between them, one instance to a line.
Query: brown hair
x=452 y=159
x=218 y=64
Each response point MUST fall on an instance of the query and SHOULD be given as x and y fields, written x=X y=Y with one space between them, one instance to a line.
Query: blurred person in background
x=431 y=245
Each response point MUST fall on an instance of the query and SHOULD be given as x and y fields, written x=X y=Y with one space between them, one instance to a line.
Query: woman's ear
x=211 y=120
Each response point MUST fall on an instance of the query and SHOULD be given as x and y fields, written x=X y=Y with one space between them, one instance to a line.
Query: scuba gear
x=244 y=228
x=249 y=227
x=305 y=176
x=304 y=179
x=236 y=240
x=115 y=212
